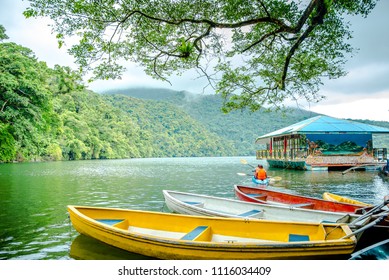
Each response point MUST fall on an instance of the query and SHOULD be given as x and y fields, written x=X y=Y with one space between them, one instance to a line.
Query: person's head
x=260 y=166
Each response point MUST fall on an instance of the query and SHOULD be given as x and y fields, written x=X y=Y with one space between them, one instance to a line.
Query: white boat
x=204 y=205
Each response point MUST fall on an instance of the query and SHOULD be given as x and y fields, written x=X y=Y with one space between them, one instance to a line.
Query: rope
x=328 y=233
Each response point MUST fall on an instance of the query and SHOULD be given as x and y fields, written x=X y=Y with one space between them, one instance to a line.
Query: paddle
x=370 y=212
x=244 y=174
x=243 y=161
x=275 y=178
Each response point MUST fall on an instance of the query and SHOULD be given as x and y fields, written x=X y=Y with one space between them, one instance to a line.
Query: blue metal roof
x=325 y=124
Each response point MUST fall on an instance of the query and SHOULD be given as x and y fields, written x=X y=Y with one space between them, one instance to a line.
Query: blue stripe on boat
x=194 y=233
x=110 y=222
x=298 y=237
x=249 y=213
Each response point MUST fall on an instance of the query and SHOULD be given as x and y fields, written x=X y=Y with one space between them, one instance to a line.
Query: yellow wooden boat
x=337 y=198
x=176 y=236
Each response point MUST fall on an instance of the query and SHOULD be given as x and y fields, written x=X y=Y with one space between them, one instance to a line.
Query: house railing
x=298 y=153
x=379 y=154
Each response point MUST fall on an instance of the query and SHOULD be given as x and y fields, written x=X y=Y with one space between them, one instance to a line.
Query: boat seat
x=302 y=205
x=194 y=233
x=298 y=237
x=251 y=213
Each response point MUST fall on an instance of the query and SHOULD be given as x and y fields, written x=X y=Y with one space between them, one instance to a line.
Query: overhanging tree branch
x=318 y=19
x=167 y=36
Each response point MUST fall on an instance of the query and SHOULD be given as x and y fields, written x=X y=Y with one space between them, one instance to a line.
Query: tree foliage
x=3 y=36
x=254 y=53
x=169 y=128
x=26 y=112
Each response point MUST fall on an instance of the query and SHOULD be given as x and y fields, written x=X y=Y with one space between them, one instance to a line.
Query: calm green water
x=35 y=224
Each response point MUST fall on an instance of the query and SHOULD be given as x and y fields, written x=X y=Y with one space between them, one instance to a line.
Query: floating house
x=325 y=143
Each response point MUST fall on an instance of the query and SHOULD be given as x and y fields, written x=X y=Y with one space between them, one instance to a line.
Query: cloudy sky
x=362 y=94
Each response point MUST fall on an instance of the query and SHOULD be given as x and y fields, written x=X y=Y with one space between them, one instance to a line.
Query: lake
x=34 y=219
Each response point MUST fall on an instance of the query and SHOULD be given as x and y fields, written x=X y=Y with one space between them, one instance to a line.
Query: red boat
x=267 y=196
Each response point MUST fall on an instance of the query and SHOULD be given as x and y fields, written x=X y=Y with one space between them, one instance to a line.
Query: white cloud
x=371 y=77
x=135 y=77
x=365 y=108
x=34 y=34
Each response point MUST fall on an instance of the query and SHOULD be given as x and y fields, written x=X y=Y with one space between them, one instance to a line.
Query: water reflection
x=86 y=248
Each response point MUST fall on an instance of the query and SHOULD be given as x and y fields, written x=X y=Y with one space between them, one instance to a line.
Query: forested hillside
x=241 y=127
x=170 y=131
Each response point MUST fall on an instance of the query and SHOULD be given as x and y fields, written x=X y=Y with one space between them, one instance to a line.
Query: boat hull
x=267 y=196
x=163 y=235
x=337 y=198
x=260 y=182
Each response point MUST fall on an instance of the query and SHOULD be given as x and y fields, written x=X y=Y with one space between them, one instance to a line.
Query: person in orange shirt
x=260 y=173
